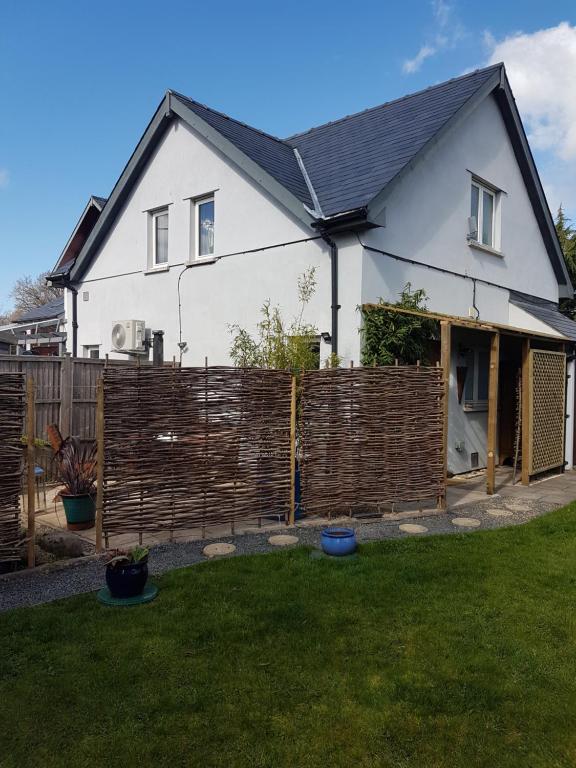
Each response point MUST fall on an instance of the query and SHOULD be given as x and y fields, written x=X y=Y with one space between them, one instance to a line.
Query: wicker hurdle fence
x=372 y=437
x=12 y=410
x=193 y=447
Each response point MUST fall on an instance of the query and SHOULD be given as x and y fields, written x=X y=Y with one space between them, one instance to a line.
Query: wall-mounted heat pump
x=128 y=335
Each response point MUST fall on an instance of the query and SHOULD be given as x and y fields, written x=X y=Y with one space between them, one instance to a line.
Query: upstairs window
x=160 y=237
x=205 y=228
x=482 y=211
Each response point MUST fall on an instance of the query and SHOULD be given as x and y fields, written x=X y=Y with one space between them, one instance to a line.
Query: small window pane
x=206 y=228
x=161 y=234
x=483 y=373
x=487 y=218
x=474 y=203
x=470 y=373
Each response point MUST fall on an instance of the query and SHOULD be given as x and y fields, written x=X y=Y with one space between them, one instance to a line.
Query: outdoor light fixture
x=326 y=338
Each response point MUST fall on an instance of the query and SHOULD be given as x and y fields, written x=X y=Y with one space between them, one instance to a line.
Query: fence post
x=31 y=459
x=66 y=396
x=292 y=517
x=99 y=461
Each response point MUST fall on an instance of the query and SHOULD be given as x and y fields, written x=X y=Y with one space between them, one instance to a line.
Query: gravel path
x=64 y=579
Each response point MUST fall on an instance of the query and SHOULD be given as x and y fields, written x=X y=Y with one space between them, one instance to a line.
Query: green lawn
x=447 y=651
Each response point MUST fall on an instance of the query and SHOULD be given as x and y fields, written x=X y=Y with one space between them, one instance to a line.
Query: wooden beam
x=492 y=412
x=31 y=474
x=99 y=461
x=464 y=322
x=445 y=362
x=526 y=394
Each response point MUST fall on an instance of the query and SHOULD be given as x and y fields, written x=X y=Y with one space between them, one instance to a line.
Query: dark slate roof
x=101 y=201
x=273 y=155
x=351 y=160
x=546 y=311
x=52 y=309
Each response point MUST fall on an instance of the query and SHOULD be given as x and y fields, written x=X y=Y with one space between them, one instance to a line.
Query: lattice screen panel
x=547 y=410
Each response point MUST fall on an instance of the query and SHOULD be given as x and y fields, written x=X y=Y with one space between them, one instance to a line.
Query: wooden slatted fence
x=371 y=437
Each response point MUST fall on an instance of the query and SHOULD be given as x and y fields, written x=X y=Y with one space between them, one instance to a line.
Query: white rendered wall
x=570 y=393
x=214 y=296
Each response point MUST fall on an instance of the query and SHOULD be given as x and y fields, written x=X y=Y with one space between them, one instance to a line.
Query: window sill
x=475 y=406
x=485 y=248
x=155 y=270
x=202 y=261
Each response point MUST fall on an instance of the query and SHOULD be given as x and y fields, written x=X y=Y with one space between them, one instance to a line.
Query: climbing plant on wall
x=388 y=335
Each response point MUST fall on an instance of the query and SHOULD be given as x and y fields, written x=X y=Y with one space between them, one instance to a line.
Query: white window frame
x=494 y=245
x=197 y=203
x=89 y=348
x=154 y=215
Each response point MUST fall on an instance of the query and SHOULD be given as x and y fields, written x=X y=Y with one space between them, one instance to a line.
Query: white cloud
x=541 y=67
x=413 y=65
x=4 y=178
x=447 y=32
x=542 y=71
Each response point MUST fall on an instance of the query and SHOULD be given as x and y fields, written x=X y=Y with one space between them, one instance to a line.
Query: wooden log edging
x=12 y=409
x=194 y=447
x=371 y=437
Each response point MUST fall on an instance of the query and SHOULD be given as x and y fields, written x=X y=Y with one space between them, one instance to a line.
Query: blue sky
x=79 y=82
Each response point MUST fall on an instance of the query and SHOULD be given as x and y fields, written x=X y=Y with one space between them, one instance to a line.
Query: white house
x=210 y=217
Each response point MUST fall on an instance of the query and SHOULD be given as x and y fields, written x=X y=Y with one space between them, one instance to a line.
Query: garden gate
x=547 y=409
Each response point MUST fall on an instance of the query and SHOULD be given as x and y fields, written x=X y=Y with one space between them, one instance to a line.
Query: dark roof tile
x=545 y=311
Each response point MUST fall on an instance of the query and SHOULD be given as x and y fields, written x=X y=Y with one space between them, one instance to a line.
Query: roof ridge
x=233 y=119
x=392 y=101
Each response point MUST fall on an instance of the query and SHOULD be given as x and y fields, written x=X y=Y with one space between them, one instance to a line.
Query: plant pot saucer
x=149 y=593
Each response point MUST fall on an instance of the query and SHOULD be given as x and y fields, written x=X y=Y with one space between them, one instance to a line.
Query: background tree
x=567 y=237
x=30 y=292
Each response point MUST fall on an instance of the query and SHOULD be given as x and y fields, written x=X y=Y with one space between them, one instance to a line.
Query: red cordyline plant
x=77 y=466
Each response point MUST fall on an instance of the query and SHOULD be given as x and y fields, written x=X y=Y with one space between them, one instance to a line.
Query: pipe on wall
x=335 y=306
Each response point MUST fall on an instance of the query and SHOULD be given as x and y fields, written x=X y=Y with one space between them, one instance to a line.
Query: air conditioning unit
x=128 y=335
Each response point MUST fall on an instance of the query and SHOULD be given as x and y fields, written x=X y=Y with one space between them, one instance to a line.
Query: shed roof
x=545 y=311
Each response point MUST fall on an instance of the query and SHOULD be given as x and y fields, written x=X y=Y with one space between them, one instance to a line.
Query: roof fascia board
x=533 y=184
x=251 y=168
x=90 y=203
x=123 y=186
x=378 y=202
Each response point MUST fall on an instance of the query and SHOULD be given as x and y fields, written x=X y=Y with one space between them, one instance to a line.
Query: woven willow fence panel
x=371 y=436
x=547 y=384
x=12 y=407
x=193 y=447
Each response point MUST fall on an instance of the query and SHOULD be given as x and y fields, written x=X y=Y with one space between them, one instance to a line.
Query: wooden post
x=526 y=389
x=31 y=464
x=492 y=412
x=99 y=461
x=65 y=421
x=445 y=350
x=292 y=517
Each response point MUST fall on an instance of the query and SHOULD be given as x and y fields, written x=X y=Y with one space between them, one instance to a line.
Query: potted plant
x=127 y=572
x=76 y=464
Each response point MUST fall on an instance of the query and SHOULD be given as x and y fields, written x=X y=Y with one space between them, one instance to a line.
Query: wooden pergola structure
x=496 y=331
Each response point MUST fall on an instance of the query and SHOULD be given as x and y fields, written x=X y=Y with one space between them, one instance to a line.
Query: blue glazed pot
x=338 y=541
x=127 y=580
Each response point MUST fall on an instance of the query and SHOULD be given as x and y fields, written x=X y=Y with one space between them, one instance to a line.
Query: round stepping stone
x=499 y=512
x=218 y=549
x=412 y=528
x=282 y=540
x=517 y=506
x=466 y=522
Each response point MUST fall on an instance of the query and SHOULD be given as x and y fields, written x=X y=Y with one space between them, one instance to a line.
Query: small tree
x=277 y=343
x=29 y=293
x=388 y=336
x=567 y=237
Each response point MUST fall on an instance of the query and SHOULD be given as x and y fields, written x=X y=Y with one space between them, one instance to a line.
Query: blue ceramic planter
x=127 y=580
x=338 y=541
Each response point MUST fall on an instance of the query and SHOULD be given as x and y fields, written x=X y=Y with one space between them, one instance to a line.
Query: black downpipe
x=74 y=319
x=334 y=282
